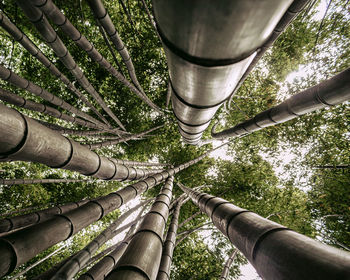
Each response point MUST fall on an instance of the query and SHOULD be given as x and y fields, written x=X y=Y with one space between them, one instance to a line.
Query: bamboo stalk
x=9 y=182
x=227 y=265
x=137 y=260
x=269 y=246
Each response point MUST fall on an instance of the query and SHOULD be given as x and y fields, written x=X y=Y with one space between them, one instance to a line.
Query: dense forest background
x=286 y=173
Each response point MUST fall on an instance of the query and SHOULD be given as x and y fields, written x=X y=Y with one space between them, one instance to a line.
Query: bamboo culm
x=50 y=36
x=20 y=221
x=10 y=182
x=139 y=163
x=137 y=261
x=72 y=267
x=122 y=139
x=19 y=101
x=328 y=93
x=11 y=77
x=269 y=246
x=25 y=139
x=227 y=265
x=169 y=246
x=21 y=38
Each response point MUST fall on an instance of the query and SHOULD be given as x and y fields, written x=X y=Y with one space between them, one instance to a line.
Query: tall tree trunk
x=20 y=37
x=120 y=140
x=137 y=260
x=169 y=246
x=17 y=100
x=100 y=270
x=227 y=265
x=328 y=93
x=24 y=139
x=269 y=246
x=40 y=22
x=12 y=223
x=72 y=267
x=13 y=78
x=38 y=181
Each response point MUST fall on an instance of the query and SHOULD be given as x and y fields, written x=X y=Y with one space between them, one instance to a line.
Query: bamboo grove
x=101 y=101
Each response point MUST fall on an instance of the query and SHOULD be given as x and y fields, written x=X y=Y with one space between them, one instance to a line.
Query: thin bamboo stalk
x=139 y=163
x=21 y=38
x=11 y=77
x=269 y=246
x=122 y=139
x=169 y=246
x=137 y=261
x=227 y=265
x=17 y=100
x=40 y=22
x=151 y=20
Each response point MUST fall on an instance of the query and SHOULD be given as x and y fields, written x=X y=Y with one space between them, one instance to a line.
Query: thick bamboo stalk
x=38 y=181
x=142 y=257
x=269 y=246
x=169 y=246
x=328 y=93
x=24 y=139
x=227 y=265
x=72 y=267
x=20 y=37
x=40 y=22
x=20 y=221
x=7 y=75
x=54 y=14
x=103 y=17
x=100 y=270
x=42 y=236
x=17 y=100
x=295 y=8
x=121 y=139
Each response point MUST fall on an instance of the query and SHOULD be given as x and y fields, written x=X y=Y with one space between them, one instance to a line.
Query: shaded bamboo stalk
x=100 y=270
x=19 y=211
x=38 y=181
x=328 y=93
x=151 y=19
x=227 y=265
x=25 y=139
x=169 y=246
x=37 y=263
x=137 y=261
x=16 y=80
x=50 y=36
x=294 y=9
x=61 y=227
x=103 y=17
x=72 y=267
x=20 y=221
x=186 y=233
x=122 y=139
x=190 y=218
x=269 y=246
x=20 y=37
x=331 y=166
x=17 y=100
x=168 y=95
